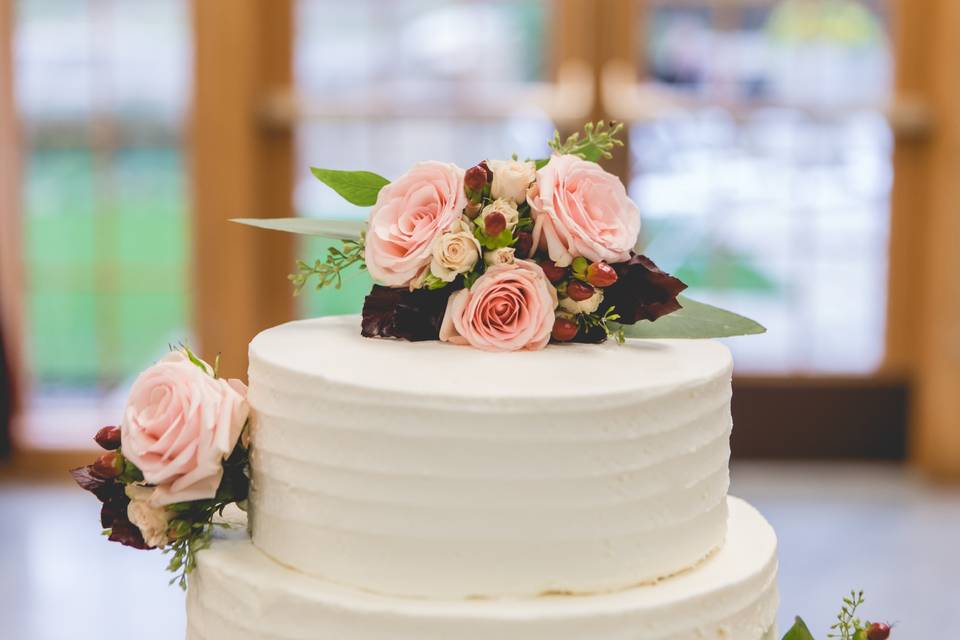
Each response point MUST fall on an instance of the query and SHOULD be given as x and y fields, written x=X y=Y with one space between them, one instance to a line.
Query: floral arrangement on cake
x=177 y=460
x=506 y=255
x=848 y=626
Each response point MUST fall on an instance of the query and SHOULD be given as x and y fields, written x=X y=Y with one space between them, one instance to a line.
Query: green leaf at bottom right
x=798 y=631
x=694 y=320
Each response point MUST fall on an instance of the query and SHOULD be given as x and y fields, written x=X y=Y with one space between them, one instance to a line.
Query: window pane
x=772 y=196
x=105 y=227
x=377 y=66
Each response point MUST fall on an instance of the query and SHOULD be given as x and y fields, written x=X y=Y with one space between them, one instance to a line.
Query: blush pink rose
x=179 y=425
x=409 y=214
x=510 y=307
x=581 y=210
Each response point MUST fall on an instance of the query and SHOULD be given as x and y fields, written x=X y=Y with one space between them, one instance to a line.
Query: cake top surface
x=332 y=350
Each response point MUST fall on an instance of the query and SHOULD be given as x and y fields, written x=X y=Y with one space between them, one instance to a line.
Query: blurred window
x=394 y=83
x=771 y=194
x=102 y=87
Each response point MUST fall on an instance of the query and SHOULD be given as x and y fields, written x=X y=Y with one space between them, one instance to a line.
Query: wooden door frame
x=924 y=295
x=243 y=52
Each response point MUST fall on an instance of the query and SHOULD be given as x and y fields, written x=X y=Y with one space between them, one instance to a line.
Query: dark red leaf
x=642 y=291
x=399 y=313
x=128 y=534
x=88 y=480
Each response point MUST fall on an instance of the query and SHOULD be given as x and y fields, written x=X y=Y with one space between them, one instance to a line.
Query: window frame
x=242 y=164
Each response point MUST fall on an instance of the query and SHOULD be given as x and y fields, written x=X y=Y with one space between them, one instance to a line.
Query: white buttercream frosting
x=237 y=593
x=427 y=469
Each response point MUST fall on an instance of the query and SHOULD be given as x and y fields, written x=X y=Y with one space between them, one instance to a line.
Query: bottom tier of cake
x=238 y=593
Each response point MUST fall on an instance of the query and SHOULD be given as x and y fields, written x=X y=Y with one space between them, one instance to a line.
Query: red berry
x=554 y=273
x=524 y=244
x=601 y=274
x=878 y=631
x=475 y=178
x=106 y=466
x=494 y=224
x=564 y=330
x=579 y=291
x=108 y=438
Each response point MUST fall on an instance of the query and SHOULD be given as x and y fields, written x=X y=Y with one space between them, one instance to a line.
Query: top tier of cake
x=426 y=469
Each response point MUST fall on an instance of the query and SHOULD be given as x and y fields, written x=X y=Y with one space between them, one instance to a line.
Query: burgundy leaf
x=642 y=291
x=113 y=516
x=128 y=534
x=87 y=479
x=113 y=513
x=399 y=313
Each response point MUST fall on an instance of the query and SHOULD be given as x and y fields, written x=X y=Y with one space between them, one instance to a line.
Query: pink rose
x=409 y=214
x=509 y=307
x=179 y=425
x=581 y=210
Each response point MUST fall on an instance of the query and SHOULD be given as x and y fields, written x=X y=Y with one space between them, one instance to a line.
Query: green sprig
x=848 y=626
x=607 y=322
x=597 y=142
x=330 y=271
x=191 y=528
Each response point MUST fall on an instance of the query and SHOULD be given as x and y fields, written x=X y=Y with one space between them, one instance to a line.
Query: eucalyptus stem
x=330 y=271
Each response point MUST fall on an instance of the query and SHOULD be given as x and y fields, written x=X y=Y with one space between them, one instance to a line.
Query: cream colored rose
x=454 y=253
x=151 y=520
x=511 y=179
x=504 y=207
x=584 y=306
x=503 y=255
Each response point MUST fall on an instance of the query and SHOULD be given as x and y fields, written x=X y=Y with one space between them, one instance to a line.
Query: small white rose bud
x=511 y=179
x=504 y=207
x=151 y=520
x=454 y=253
x=503 y=255
x=420 y=279
x=589 y=305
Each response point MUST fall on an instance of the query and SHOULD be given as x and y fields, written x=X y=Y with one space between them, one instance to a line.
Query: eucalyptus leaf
x=798 y=631
x=694 y=320
x=336 y=229
x=356 y=187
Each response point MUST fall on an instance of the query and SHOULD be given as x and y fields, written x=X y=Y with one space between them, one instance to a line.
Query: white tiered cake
x=402 y=493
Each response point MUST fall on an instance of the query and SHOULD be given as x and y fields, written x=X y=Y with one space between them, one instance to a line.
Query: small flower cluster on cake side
x=177 y=459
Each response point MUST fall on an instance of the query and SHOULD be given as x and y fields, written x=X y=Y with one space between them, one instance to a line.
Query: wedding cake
x=423 y=491
x=535 y=446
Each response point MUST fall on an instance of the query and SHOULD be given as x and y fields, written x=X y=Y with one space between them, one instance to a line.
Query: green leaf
x=694 y=320
x=798 y=631
x=336 y=229
x=356 y=187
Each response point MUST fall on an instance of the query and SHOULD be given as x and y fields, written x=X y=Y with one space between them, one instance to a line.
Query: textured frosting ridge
x=240 y=594
x=429 y=470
